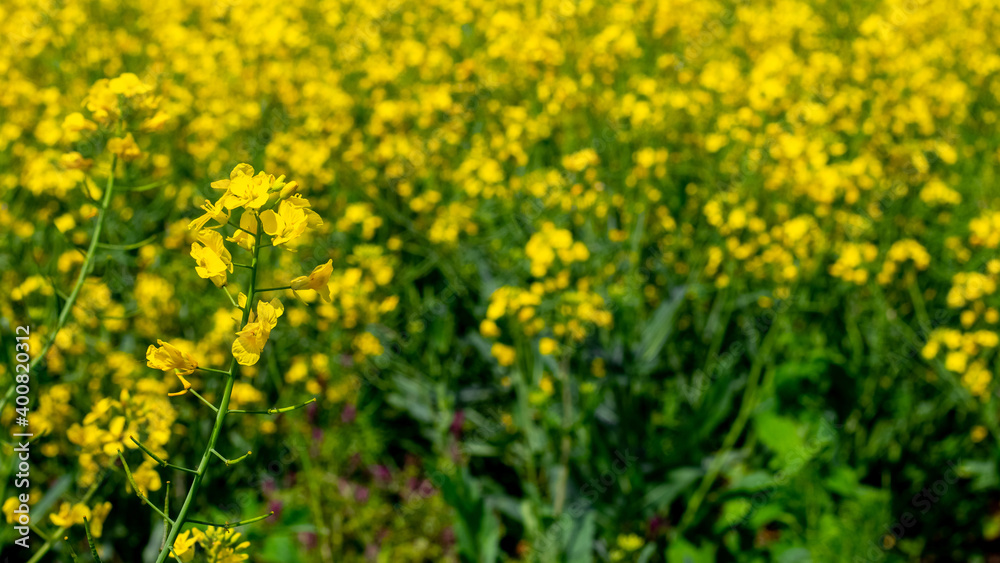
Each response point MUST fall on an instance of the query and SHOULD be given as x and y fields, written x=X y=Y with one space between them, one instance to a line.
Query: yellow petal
x=271 y=222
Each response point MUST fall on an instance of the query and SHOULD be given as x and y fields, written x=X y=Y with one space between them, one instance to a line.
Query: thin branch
x=274 y=410
x=90 y=540
x=162 y=462
x=239 y=228
x=38 y=532
x=219 y=419
x=166 y=510
x=231 y=300
x=229 y=462
x=131 y=480
x=132 y=246
x=204 y=400
x=229 y=525
x=84 y=268
x=274 y=289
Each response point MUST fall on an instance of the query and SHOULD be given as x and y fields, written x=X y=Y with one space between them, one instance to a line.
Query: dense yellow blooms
x=220 y=545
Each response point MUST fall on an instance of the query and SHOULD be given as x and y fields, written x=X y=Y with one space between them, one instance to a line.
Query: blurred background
x=681 y=280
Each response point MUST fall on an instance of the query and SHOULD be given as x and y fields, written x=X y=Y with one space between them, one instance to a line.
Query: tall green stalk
x=84 y=269
x=220 y=417
x=746 y=409
x=63 y=316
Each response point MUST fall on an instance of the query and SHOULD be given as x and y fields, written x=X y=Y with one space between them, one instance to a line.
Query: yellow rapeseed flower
x=290 y=222
x=212 y=257
x=318 y=280
x=251 y=340
x=168 y=357
x=504 y=354
x=70 y=514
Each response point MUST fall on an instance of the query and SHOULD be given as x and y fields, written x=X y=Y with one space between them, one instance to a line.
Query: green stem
x=275 y=410
x=566 y=445
x=231 y=300
x=326 y=541
x=204 y=400
x=746 y=409
x=161 y=462
x=220 y=417
x=229 y=462
x=38 y=532
x=166 y=510
x=228 y=525
x=274 y=289
x=84 y=268
x=90 y=540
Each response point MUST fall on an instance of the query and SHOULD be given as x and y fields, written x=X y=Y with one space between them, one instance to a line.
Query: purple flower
x=381 y=474
x=361 y=494
x=349 y=413
x=456 y=424
x=308 y=539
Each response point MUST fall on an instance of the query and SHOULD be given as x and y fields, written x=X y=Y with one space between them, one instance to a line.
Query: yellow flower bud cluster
x=544 y=246
x=902 y=251
x=852 y=260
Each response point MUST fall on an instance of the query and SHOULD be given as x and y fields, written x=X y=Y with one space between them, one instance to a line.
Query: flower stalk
x=220 y=417
x=88 y=260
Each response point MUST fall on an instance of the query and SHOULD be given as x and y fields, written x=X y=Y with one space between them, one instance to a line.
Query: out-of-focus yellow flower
x=597 y=367
x=223 y=545
x=146 y=477
x=318 y=280
x=9 y=506
x=75 y=161
x=128 y=85
x=154 y=123
x=168 y=357
x=76 y=122
x=212 y=257
x=504 y=354
x=978 y=433
x=70 y=514
x=124 y=147
x=184 y=545
x=367 y=344
x=100 y=514
x=489 y=329
x=630 y=542
x=547 y=346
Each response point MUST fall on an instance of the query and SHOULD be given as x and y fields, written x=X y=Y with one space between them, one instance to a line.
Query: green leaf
x=55 y=492
x=580 y=540
x=681 y=551
x=780 y=435
x=678 y=480
x=658 y=330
